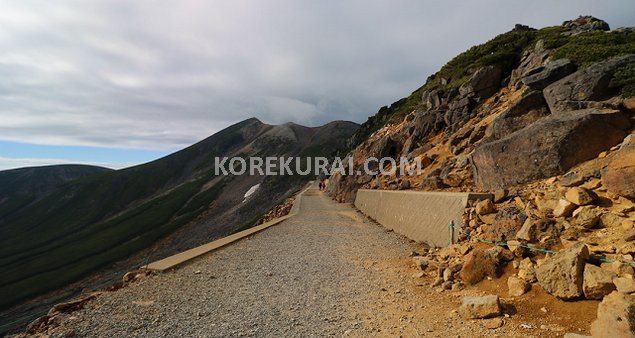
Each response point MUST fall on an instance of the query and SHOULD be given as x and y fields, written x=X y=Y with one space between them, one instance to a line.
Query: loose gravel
x=325 y=272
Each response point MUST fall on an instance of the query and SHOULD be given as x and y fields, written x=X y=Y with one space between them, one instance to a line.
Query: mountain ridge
x=90 y=222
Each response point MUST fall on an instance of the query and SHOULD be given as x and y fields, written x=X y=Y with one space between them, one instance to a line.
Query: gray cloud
x=162 y=75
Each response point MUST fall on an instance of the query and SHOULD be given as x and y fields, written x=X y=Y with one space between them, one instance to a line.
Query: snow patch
x=251 y=191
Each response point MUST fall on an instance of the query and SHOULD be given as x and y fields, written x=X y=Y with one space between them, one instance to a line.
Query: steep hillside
x=543 y=121
x=91 y=222
x=512 y=92
x=22 y=187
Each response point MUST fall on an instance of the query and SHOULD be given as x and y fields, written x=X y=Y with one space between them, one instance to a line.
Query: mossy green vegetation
x=625 y=78
x=587 y=48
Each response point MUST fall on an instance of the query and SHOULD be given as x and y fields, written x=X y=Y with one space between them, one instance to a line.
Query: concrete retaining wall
x=421 y=216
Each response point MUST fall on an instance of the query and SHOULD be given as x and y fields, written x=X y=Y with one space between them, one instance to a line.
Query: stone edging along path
x=392 y=209
x=185 y=256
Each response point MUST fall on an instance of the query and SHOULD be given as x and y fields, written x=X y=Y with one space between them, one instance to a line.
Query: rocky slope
x=543 y=120
x=146 y=212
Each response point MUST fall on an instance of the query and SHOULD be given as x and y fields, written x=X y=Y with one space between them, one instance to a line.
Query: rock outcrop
x=485 y=82
x=548 y=147
x=584 y=24
x=589 y=84
x=541 y=77
x=529 y=109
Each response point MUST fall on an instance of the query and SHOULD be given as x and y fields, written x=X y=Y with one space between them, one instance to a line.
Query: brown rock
x=609 y=249
x=129 y=276
x=598 y=282
x=527 y=270
x=618 y=268
x=528 y=231
x=480 y=307
x=616 y=317
x=448 y=274
x=493 y=323
x=593 y=183
x=571 y=234
x=564 y=208
x=500 y=195
x=485 y=207
x=562 y=275
x=517 y=286
x=547 y=148
x=420 y=263
x=537 y=229
x=579 y=196
x=624 y=284
x=610 y=220
x=628 y=248
x=587 y=216
x=629 y=235
x=572 y=178
x=619 y=176
x=515 y=248
x=74 y=304
x=480 y=264
x=487 y=219
x=506 y=224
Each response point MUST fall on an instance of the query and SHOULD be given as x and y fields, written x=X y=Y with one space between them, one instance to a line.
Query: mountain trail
x=326 y=272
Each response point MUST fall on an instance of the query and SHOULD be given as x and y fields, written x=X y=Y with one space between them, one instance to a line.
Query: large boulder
x=539 y=78
x=483 y=83
x=619 y=175
x=562 y=275
x=529 y=109
x=616 y=317
x=547 y=148
x=589 y=84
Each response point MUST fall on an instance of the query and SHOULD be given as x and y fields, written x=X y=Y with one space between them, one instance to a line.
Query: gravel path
x=325 y=272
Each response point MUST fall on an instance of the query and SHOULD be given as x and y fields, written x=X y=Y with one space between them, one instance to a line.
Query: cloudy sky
x=116 y=83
